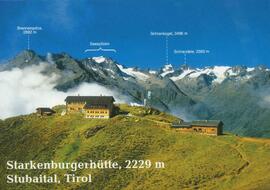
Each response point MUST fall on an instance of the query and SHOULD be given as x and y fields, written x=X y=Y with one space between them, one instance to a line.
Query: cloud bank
x=23 y=90
x=264 y=97
x=183 y=114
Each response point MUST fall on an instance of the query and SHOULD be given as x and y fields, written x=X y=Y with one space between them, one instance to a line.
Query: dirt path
x=243 y=157
x=240 y=153
x=223 y=177
x=255 y=140
x=159 y=122
x=236 y=147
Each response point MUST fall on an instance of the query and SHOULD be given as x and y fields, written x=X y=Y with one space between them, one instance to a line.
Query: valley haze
x=235 y=95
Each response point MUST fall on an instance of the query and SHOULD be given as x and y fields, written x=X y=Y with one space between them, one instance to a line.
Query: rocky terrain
x=236 y=95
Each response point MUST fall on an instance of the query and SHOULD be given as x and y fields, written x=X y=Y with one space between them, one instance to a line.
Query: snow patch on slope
x=218 y=71
x=153 y=72
x=250 y=69
x=182 y=75
x=231 y=72
x=132 y=72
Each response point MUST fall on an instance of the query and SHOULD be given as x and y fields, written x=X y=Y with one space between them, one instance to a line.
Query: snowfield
x=132 y=72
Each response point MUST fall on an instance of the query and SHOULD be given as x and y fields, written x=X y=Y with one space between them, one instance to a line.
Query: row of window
x=97 y=116
x=79 y=109
x=200 y=129
x=71 y=108
x=97 y=112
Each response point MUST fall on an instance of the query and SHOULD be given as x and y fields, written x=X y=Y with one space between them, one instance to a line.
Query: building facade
x=97 y=112
x=208 y=127
x=91 y=106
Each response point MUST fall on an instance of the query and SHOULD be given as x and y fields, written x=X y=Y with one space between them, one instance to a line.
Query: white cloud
x=183 y=114
x=23 y=90
x=264 y=99
x=262 y=96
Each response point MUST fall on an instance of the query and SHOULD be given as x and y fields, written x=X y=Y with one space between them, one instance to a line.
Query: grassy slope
x=192 y=161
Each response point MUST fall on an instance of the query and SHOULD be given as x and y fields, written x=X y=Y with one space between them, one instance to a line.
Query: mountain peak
x=166 y=69
x=99 y=59
x=26 y=53
x=26 y=57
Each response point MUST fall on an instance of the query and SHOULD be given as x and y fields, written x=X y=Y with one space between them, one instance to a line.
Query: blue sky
x=237 y=32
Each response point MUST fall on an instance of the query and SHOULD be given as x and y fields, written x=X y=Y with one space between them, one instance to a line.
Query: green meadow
x=191 y=161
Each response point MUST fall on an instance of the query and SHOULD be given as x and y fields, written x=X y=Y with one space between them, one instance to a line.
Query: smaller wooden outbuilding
x=43 y=111
x=208 y=127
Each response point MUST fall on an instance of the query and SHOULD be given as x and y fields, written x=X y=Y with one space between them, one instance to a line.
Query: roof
x=44 y=109
x=182 y=125
x=207 y=123
x=95 y=100
x=201 y=123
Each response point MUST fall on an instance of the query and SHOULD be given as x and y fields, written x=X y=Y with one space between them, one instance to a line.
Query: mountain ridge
x=205 y=93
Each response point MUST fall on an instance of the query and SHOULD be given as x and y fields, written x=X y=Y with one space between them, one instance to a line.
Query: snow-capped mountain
x=217 y=73
x=107 y=67
x=133 y=72
x=219 y=92
x=100 y=59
